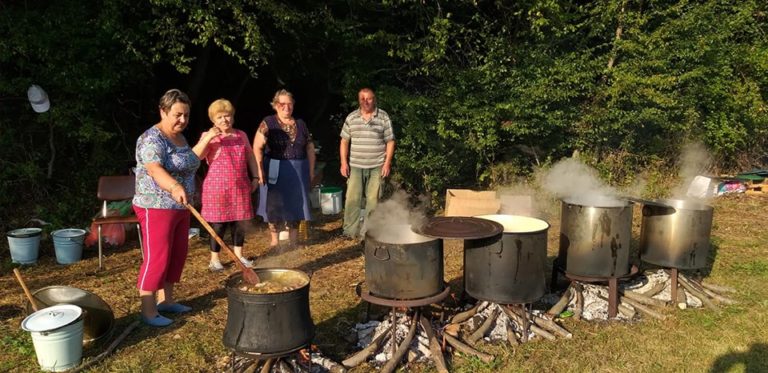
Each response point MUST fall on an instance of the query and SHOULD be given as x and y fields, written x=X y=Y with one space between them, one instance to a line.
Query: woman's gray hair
x=171 y=97
x=282 y=92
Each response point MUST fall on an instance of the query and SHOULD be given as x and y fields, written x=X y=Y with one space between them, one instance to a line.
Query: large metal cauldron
x=509 y=270
x=98 y=321
x=401 y=264
x=595 y=236
x=676 y=233
x=272 y=322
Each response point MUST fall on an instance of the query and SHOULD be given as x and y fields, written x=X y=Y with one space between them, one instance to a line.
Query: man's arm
x=344 y=157
x=390 y=153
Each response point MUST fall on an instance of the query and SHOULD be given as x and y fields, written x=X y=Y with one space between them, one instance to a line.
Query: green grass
x=692 y=340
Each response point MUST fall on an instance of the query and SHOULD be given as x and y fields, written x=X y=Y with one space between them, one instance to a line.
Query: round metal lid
x=459 y=227
x=51 y=318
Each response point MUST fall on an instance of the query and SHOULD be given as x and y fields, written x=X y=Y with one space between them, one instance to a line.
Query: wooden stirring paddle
x=26 y=290
x=249 y=275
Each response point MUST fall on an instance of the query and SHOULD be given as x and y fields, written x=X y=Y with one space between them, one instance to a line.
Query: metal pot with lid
x=402 y=264
x=595 y=235
x=676 y=233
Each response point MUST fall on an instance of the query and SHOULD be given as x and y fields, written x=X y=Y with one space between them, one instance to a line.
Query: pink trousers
x=166 y=242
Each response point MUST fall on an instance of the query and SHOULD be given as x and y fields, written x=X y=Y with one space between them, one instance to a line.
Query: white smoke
x=575 y=182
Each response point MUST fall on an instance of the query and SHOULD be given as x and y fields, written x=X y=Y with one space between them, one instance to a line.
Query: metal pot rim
x=511 y=223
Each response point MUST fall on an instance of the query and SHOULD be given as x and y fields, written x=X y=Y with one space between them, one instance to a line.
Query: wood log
x=511 y=336
x=462 y=347
x=267 y=365
x=109 y=349
x=682 y=299
x=487 y=323
x=392 y=363
x=578 y=310
x=656 y=289
x=623 y=308
x=552 y=326
x=642 y=308
x=702 y=297
x=363 y=354
x=283 y=367
x=465 y=315
x=330 y=365
x=434 y=346
x=643 y=299
x=718 y=297
x=522 y=319
x=562 y=303
x=718 y=288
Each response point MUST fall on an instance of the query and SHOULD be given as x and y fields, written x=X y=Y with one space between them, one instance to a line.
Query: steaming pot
x=401 y=264
x=675 y=233
x=270 y=322
x=509 y=270
x=595 y=236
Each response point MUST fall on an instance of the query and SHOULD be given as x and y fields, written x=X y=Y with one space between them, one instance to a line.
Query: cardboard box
x=465 y=202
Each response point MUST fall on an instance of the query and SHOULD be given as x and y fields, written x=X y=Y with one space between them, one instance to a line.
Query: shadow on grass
x=754 y=360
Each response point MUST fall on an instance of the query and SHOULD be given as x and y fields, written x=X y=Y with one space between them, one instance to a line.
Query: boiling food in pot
x=275 y=283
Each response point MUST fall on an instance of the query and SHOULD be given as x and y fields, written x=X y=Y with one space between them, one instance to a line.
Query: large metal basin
x=676 y=233
x=402 y=264
x=98 y=322
x=508 y=269
x=595 y=235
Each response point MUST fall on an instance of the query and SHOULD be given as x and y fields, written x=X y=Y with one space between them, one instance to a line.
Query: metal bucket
x=595 y=236
x=98 y=321
x=508 y=269
x=676 y=233
x=401 y=264
x=271 y=322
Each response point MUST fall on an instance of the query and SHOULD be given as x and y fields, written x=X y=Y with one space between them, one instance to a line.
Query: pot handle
x=379 y=256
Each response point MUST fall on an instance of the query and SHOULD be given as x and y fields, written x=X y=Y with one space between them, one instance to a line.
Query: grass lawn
x=692 y=340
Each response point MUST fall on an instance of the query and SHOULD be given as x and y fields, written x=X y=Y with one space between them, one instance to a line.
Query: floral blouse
x=179 y=161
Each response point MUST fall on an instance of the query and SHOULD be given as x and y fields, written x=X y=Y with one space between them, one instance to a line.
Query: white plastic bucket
x=57 y=334
x=330 y=200
x=68 y=244
x=24 y=244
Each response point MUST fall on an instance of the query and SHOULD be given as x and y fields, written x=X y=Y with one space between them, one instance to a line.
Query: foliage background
x=481 y=92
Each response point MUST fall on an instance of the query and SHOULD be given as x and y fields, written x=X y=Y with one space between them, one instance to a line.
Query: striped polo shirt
x=368 y=139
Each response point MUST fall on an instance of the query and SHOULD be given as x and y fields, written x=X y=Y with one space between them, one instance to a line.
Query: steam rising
x=695 y=160
x=577 y=183
x=390 y=220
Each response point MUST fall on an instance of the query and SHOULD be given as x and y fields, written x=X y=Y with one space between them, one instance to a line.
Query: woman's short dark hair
x=171 y=97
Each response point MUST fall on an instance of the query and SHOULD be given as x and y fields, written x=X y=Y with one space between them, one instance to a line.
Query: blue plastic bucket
x=24 y=244
x=68 y=244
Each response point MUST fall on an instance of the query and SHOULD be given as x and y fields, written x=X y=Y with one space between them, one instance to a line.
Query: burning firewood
x=641 y=298
x=656 y=289
x=522 y=319
x=464 y=316
x=434 y=346
x=579 y=308
x=462 y=347
x=562 y=303
x=696 y=293
x=480 y=332
x=642 y=308
x=390 y=366
x=718 y=288
x=267 y=366
x=363 y=354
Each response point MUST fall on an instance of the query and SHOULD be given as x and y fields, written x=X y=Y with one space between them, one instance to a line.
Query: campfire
x=304 y=361
x=646 y=294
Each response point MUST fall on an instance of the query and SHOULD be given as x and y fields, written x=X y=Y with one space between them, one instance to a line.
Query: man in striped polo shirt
x=366 y=151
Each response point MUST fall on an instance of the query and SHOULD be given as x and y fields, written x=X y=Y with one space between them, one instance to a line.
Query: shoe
x=246 y=262
x=157 y=321
x=215 y=266
x=173 y=308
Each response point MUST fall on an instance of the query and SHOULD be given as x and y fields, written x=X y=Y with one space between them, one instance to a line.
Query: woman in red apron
x=227 y=186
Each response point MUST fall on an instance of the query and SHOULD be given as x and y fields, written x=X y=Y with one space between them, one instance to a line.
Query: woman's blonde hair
x=282 y=92
x=220 y=106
